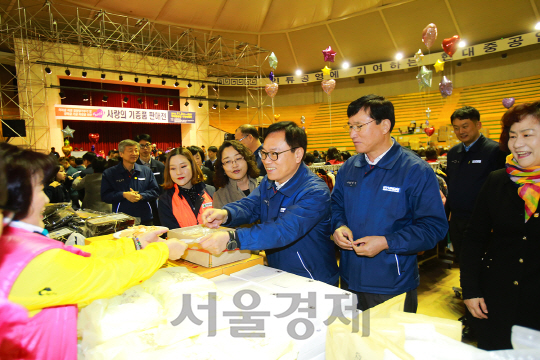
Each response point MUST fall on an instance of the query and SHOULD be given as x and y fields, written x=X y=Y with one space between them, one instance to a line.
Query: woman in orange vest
x=186 y=195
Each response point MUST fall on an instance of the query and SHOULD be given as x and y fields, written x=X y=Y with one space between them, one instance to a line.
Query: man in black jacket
x=212 y=156
x=157 y=167
x=469 y=164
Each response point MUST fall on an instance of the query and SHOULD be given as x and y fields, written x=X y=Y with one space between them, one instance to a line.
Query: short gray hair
x=124 y=143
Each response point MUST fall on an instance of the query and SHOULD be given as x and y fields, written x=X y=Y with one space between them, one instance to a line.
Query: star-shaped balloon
x=418 y=57
x=428 y=113
x=329 y=54
x=424 y=78
x=272 y=59
x=439 y=65
x=326 y=70
x=68 y=132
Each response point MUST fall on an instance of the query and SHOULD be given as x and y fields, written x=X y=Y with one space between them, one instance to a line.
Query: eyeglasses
x=235 y=160
x=243 y=138
x=356 y=128
x=146 y=146
x=274 y=155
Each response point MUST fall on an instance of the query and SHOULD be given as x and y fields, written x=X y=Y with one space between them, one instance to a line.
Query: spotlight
x=105 y=98
x=62 y=95
x=186 y=104
x=48 y=70
x=136 y=79
x=537 y=26
x=214 y=87
x=126 y=99
x=200 y=104
x=139 y=100
x=462 y=43
x=399 y=56
x=163 y=82
x=214 y=106
x=238 y=107
x=148 y=81
x=68 y=72
x=203 y=86
x=170 y=103
x=156 y=102
x=189 y=84
x=102 y=76
x=85 y=97
x=121 y=78
x=226 y=106
x=345 y=65
x=298 y=72
x=84 y=73
x=176 y=84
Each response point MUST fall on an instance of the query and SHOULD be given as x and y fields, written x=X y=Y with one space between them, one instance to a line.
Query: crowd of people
x=385 y=205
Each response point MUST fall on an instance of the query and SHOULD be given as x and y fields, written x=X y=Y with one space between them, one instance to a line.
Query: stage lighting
x=186 y=104
x=214 y=106
x=163 y=82
x=105 y=98
x=189 y=85
x=139 y=100
x=136 y=79
x=121 y=78
x=85 y=97
x=200 y=105
x=126 y=99
x=102 y=76
x=176 y=84
x=170 y=103
x=48 y=70
x=148 y=81
x=68 y=72
x=226 y=106
x=238 y=107
x=62 y=95
x=84 y=74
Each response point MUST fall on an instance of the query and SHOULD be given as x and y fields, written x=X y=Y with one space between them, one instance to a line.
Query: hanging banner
x=99 y=113
x=514 y=42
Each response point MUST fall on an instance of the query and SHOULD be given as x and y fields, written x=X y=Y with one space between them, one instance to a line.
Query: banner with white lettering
x=100 y=113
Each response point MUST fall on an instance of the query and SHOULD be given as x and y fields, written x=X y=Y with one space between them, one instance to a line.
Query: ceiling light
x=163 y=82
x=139 y=100
x=189 y=84
x=85 y=97
x=214 y=87
x=171 y=103
x=345 y=65
x=226 y=106
x=105 y=98
x=126 y=99
x=68 y=72
x=203 y=86
x=399 y=56
x=62 y=95
x=186 y=104
x=102 y=76
x=48 y=70
x=537 y=26
x=176 y=84
x=121 y=78
x=214 y=106
x=136 y=79
x=200 y=104
x=298 y=72
x=156 y=102
x=462 y=43
x=238 y=107
x=148 y=81
x=84 y=74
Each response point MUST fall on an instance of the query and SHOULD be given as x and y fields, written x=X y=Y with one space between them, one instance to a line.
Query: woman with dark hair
x=333 y=157
x=92 y=185
x=50 y=279
x=186 y=195
x=500 y=272
x=236 y=173
x=55 y=190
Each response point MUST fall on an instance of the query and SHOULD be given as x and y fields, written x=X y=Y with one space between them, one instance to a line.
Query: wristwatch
x=233 y=243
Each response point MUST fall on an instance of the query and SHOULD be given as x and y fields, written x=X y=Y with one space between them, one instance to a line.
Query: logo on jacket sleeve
x=391 y=189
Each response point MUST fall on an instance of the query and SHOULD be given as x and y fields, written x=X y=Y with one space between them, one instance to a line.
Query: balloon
x=446 y=87
x=418 y=57
x=276 y=116
x=328 y=85
x=271 y=77
x=302 y=119
x=429 y=131
x=94 y=138
x=68 y=132
x=450 y=45
x=508 y=102
x=439 y=65
x=272 y=59
x=326 y=70
x=424 y=78
x=67 y=149
x=329 y=54
x=429 y=35
x=428 y=113
x=271 y=89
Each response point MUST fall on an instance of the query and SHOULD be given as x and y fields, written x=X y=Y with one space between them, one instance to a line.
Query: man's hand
x=477 y=307
x=213 y=218
x=343 y=237
x=370 y=245
x=176 y=247
x=132 y=196
x=152 y=236
x=215 y=243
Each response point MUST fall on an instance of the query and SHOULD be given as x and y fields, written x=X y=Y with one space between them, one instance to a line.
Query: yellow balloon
x=326 y=70
x=439 y=65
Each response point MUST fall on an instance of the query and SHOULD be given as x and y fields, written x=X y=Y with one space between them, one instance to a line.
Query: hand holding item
x=131 y=196
x=213 y=218
x=370 y=245
x=343 y=237
x=477 y=307
x=176 y=247
x=215 y=243
x=151 y=236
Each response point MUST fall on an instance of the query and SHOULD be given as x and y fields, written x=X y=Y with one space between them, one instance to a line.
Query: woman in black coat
x=500 y=271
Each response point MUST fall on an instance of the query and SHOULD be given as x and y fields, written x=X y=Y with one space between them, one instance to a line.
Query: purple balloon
x=508 y=102
x=271 y=77
x=446 y=87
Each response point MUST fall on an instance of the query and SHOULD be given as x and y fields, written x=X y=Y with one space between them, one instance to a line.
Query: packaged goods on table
x=108 y=224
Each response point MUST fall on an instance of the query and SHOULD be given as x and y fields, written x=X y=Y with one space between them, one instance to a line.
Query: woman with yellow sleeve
x=50 y=279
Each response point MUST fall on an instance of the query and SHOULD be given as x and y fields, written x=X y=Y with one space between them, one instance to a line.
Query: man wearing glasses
x=293 y=206
x=249 y=137
x=157 y=167
x=386 y=207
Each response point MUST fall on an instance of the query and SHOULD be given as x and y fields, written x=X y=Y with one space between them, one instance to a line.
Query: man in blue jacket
x=293 y=205
x=128 y=186
x=386 y=207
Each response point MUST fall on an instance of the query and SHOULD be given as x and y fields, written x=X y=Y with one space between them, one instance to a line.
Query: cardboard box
x=226 y=269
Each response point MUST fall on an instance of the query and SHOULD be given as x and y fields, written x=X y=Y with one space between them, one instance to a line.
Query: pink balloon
x=328 y=85
x=429 y=35
x=271 y=89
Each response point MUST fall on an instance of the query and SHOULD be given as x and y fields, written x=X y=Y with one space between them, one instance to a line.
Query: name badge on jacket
x=477 y=161
x=282 y=210
x=391 y=189
x=141 y=179
x=351 y=183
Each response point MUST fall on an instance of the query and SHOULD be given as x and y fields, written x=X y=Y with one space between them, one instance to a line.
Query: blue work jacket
x=398 y=198
x=116 y=180
x=295 y=225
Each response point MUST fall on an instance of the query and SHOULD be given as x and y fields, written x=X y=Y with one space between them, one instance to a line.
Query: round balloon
x=271 y=89
x=429 y=35
x=328 y=85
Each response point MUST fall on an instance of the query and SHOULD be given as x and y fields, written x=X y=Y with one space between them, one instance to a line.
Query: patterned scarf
x=529 y=184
